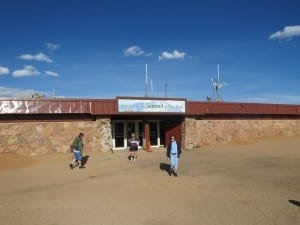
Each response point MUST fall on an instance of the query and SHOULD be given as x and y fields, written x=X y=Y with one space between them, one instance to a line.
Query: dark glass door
x=119 y=135
x=130 y=129
x=141 y=133
x=162 y=132
x=153 y=133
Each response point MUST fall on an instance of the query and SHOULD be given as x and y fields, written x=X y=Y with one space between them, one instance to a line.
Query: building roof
x=110 y=107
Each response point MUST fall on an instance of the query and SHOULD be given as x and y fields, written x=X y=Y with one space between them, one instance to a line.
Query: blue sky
x=99 y=49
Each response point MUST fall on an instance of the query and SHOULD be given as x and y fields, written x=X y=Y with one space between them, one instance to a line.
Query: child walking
x=133 y=147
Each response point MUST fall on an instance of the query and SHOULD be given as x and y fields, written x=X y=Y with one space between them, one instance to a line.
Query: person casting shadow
x=77 y=147
x=173 y=154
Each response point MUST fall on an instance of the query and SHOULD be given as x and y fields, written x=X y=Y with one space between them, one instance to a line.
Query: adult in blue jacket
x=173 y=154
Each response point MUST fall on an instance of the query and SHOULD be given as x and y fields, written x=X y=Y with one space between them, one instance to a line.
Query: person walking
x=77 y=146
x=173 y=154
x=133 y=147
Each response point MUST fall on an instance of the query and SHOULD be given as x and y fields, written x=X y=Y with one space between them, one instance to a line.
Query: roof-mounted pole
x=146 y=82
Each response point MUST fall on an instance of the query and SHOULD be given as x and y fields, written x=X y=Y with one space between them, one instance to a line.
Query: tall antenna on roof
x=146 y=81
x=166 y=89
x=217 y=84
x=151 y=83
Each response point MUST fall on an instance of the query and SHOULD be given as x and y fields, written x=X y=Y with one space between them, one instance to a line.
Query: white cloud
x=15 y=93
x=26 y=72
x=287 y=33
x=52 y=46
x=50 y=73
x=38 y=57
x=3 y=70
x=133 y=51
x=172 y=55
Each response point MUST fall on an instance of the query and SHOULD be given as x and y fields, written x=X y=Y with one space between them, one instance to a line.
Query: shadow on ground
x=85 y=159
x=294 y=202
x=165 y=167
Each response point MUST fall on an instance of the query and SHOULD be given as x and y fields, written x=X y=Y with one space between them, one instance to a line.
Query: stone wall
x=208 y=132
x=33 y=138
x=43 y=137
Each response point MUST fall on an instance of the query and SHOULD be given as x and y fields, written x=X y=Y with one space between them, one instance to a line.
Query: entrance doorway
x=122 y=130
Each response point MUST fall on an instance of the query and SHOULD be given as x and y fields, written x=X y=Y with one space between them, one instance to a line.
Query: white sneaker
x=134 y=160
x=131 y=159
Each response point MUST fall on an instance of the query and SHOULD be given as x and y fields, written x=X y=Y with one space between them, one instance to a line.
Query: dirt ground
x=255 y=183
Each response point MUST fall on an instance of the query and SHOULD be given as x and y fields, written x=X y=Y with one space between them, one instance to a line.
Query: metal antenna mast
x=166 y=89
x=146 y=82
x=217 y=84
x=151 y=86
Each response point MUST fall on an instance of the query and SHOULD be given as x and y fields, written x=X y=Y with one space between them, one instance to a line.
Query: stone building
x=38 y=126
